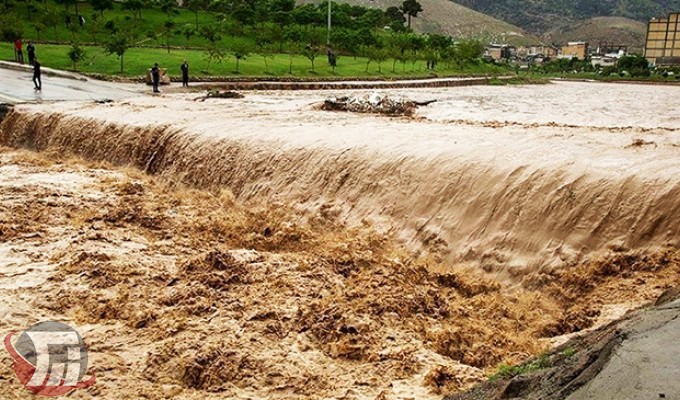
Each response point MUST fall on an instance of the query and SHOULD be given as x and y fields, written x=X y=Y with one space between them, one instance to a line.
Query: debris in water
x=4 y=110
x=641 y=142
x=216 y=94
x=375 y=104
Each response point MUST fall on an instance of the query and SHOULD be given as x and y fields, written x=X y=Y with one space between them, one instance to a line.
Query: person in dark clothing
x=185 y=73
x=30 y=50
x=36 y=75
x=68 y=21
x=155 y=77
x=81 y=21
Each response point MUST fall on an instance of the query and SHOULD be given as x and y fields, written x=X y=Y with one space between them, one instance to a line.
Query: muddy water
x=498 y=176
x=187 y=294
x=567 y=103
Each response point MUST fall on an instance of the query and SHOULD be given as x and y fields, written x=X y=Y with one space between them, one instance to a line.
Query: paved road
x=647 y=365
x=17 y=87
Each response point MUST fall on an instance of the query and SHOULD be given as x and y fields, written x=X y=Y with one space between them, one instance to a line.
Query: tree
x=633 y=62
x=280 y=11
x=10 y=27
x=76 y=54
x=51 y=17
x=212 y=34
x=395 y=19
x=118 y=42
x=411 y=8
x=168 y=27
x=398 y=54
x=67 y=4
x=196 y=6
x=213 y=52
x=134 y=6
x=95 y=28
x=295 y=36
x=240 y=49
x=188 y=32
x=101 y=5
x=311 y=51
x=264 y=43
x=469 y=50
x=380 y=54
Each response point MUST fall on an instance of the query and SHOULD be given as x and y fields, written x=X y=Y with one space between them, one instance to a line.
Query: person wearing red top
x=18 y=45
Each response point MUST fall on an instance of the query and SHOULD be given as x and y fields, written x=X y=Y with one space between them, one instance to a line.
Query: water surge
x=467 y=211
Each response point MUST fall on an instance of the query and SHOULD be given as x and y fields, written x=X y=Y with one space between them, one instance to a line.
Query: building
x=607 y=54
x=537 y=51
x=497 y=52
x=603 y=61
x=663 y=40
x=578 y=50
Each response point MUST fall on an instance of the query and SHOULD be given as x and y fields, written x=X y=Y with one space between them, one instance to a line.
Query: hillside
x=540 y=16
x=616 y=30
x=444 y=16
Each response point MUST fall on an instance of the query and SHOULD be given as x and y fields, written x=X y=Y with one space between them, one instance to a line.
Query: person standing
x=185 y=73
x=36 y=75
x=155 y=77
x=18 y=48
x=81 y=21
x=30 y=50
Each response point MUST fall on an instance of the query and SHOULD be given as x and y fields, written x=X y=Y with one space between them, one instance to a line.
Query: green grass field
x=138 y=60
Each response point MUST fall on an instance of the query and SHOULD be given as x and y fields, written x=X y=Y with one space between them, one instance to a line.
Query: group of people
x=32 y=60
x=156 y=75
x=19 y=51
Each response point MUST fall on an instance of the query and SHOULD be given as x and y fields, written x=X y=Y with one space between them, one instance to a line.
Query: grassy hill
x=541 y=16
x=617 y=30
x=444 y=16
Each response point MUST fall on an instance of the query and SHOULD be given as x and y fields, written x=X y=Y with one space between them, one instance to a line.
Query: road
x=646 y=365
x=17 y=87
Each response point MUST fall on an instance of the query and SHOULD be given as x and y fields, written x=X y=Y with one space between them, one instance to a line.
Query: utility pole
x=328 y=38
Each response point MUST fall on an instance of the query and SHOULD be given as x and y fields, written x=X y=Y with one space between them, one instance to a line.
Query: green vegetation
x=242 y=37
x=569 y=352
x=510 y=371
x=629 y=68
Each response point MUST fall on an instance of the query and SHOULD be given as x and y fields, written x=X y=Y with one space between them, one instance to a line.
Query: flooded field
x=273 y=250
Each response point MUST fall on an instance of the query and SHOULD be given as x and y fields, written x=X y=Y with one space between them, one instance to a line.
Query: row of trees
x=266 y=40
x=241 y=13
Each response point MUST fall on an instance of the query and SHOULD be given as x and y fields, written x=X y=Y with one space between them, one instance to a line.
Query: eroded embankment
x=498 y=209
